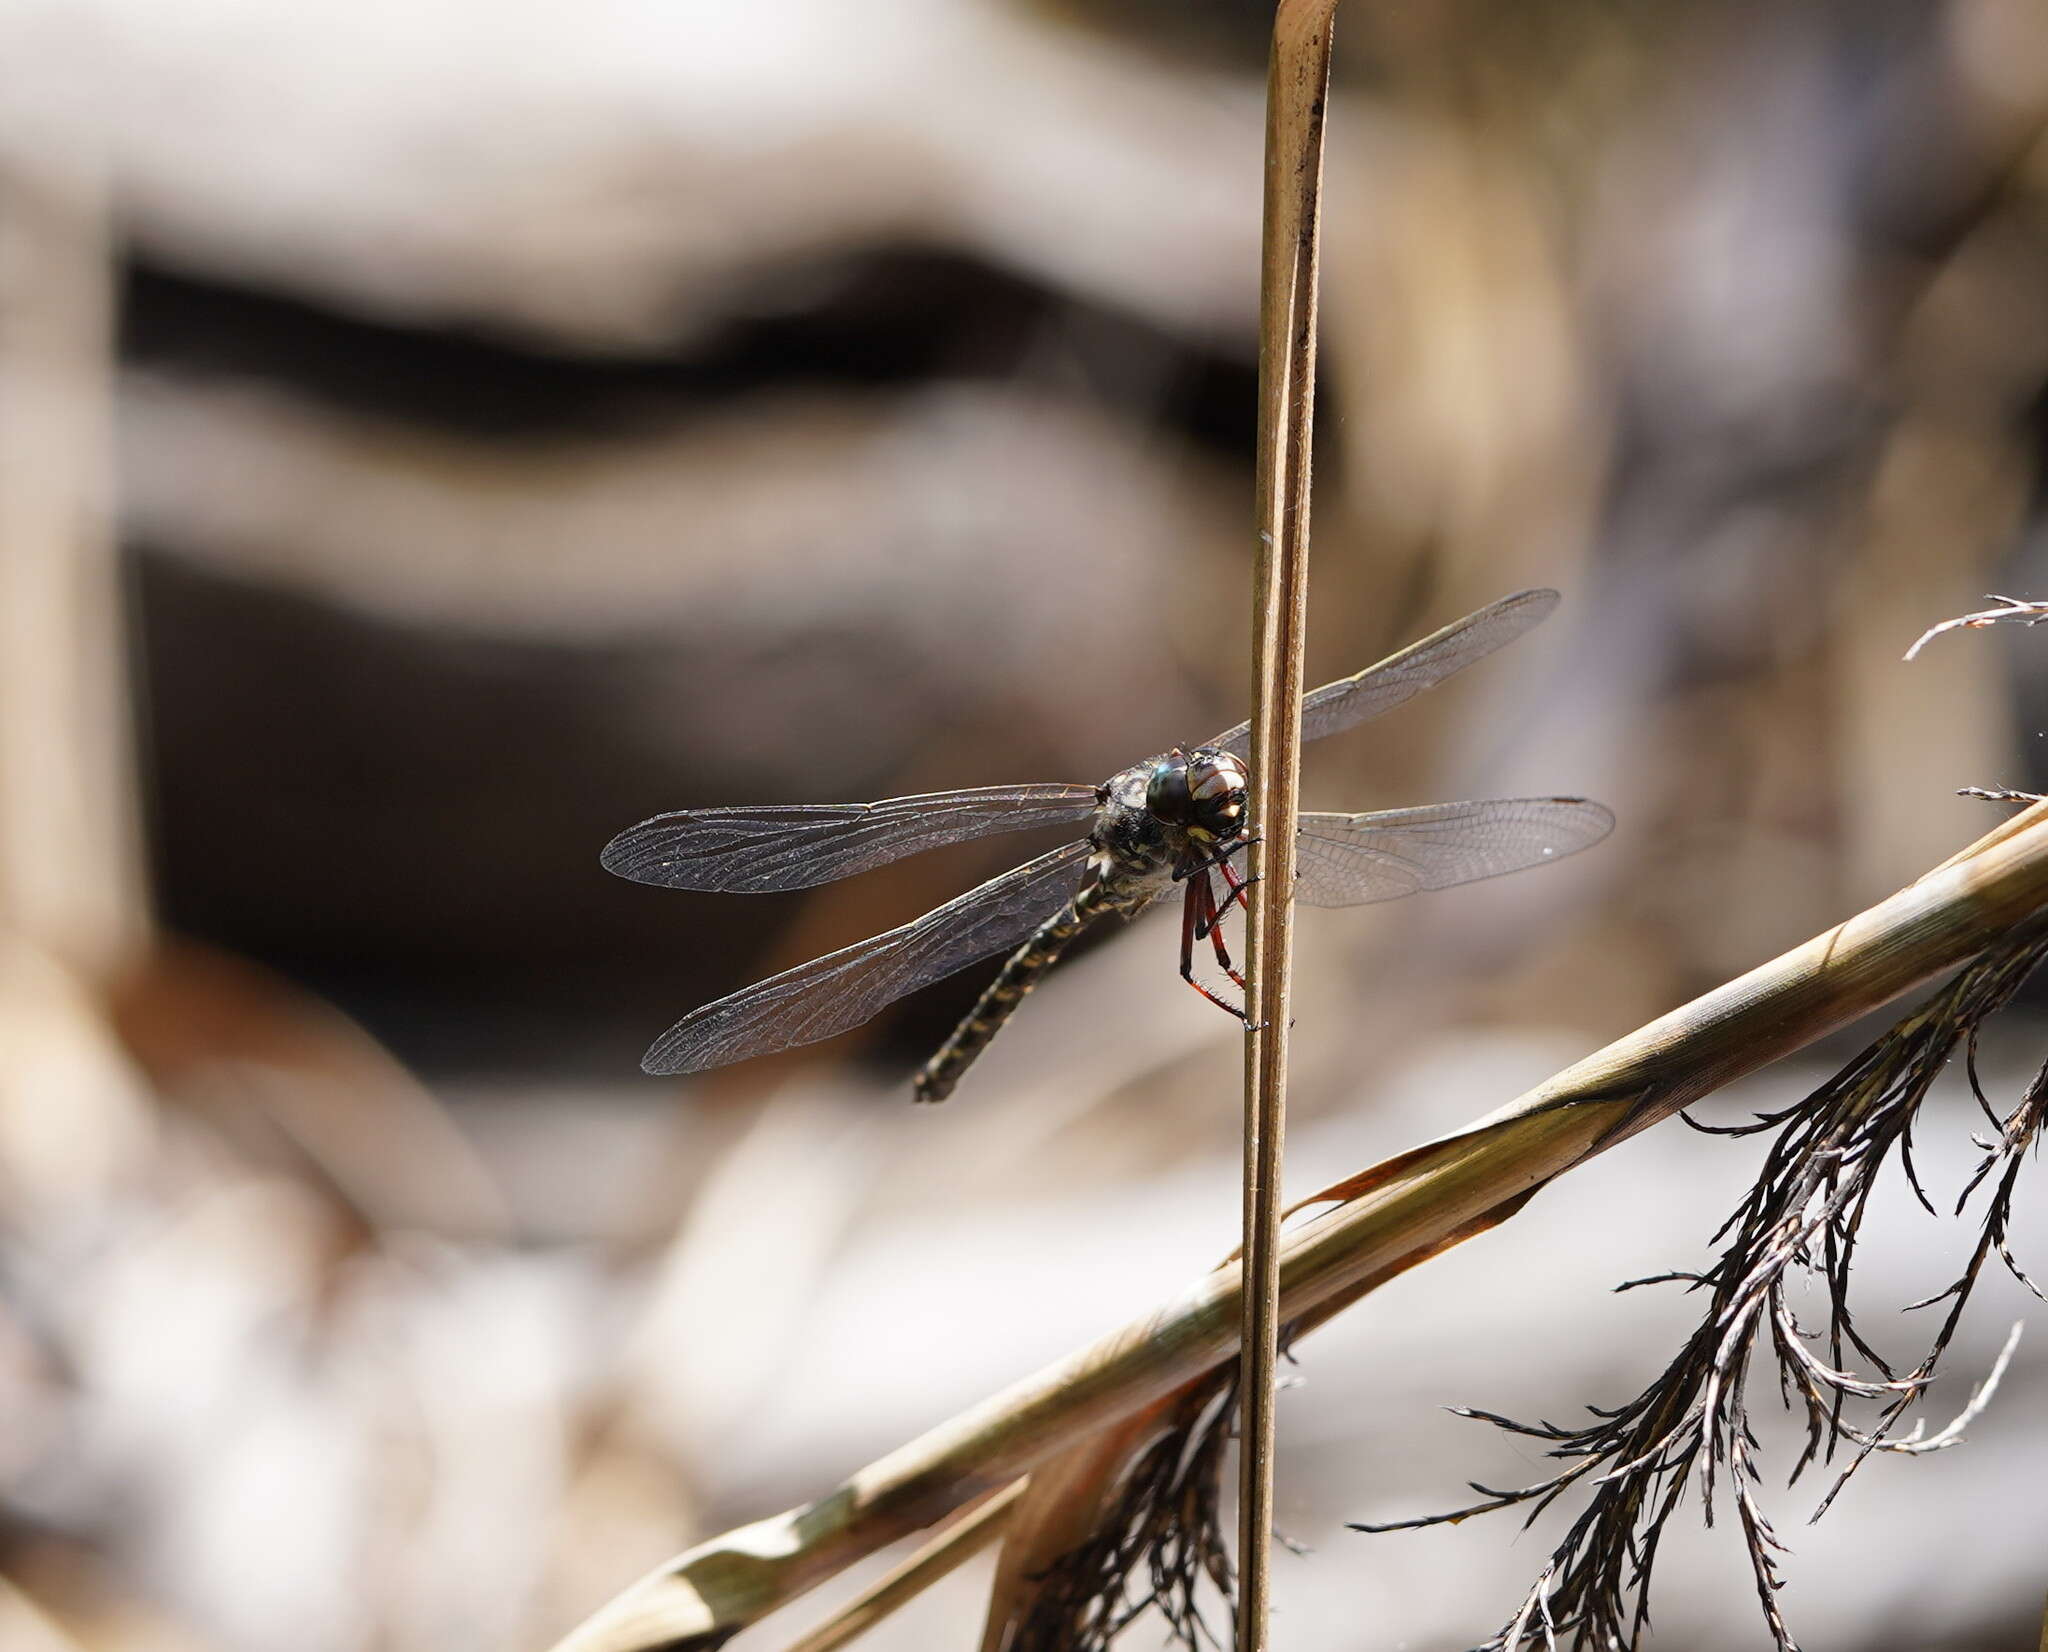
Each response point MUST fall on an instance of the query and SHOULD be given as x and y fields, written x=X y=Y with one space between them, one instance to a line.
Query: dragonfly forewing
x=797 y=845
x=839 y=991
x=1349 y=860
x=1399 y=677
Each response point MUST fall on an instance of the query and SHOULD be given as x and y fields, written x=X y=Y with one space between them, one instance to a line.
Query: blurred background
x=435 y=436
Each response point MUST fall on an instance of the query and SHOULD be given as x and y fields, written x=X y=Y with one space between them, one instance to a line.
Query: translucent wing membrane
x=844 y=988
x=795 y=845
x=1402 y=676
x=1348 y=860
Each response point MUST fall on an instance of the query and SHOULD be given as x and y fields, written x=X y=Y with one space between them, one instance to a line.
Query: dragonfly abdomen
x=1023 y=971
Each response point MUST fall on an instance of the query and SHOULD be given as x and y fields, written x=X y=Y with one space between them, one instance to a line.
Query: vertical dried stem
x=71 y=878
x=1297 y=91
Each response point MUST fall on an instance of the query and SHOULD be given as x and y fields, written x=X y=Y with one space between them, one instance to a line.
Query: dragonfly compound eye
x=1216 y=787
x=1166 y=793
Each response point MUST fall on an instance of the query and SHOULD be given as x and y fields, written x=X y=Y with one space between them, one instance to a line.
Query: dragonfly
x=1179 y=819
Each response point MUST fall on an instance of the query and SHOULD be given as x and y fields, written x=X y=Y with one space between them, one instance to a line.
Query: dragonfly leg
x=1213 y=920
x=1238 y=886
x=1220 y=862
x=1190 y=916
x=1221 y=858
x=1239 y=889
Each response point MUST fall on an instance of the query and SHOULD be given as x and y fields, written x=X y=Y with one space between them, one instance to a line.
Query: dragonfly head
x=1203 y=792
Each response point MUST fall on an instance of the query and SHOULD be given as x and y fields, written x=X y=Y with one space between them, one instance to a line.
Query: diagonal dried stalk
x=2016 y=610
x=1157 y=1540
x=1395 y=1215
x=1297 y=93
x=943 y=1554
x=1798 y=1222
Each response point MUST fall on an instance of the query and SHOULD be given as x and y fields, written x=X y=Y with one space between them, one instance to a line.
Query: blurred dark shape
x=889 y=318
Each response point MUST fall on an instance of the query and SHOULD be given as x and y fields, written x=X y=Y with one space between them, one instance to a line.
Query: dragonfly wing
x=1348 y=860
x=1398 y=677
x=793 y=846
x=842 y=989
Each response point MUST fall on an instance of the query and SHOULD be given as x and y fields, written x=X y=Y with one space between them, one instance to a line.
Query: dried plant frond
x=1799 y=1222
x=1156 y=1547
x=1161 y=1517
x=2010 y=609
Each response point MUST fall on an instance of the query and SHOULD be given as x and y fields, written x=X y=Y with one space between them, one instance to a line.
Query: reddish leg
x=1220 y=858
x=1238 y=888
x=1212 y=920
x=1199 y=895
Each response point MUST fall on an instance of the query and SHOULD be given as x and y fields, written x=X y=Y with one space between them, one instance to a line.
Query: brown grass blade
x=1096 y=1499
x=950 y=1549
x=1397 y=1214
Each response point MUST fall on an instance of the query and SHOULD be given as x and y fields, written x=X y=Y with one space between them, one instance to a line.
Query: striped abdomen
x=935 y=1080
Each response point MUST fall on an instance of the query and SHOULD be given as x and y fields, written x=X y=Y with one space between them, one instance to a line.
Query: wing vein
x=842 y=989
x=1403 y=675
x=798 y=845
x=1349 y=860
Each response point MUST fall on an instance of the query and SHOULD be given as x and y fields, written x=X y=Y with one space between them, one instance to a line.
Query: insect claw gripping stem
x=1220 y=1003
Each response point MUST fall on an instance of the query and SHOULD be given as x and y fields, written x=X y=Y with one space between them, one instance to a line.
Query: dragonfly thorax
x=1169 y=811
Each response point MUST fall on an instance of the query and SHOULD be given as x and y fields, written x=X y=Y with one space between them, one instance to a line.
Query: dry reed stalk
x=1297 y=92
x=944 y=1553
x=2010 y=609
x=74 y=907
x=1394 y=1215
x=1125 y=1521
x=72 y=884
